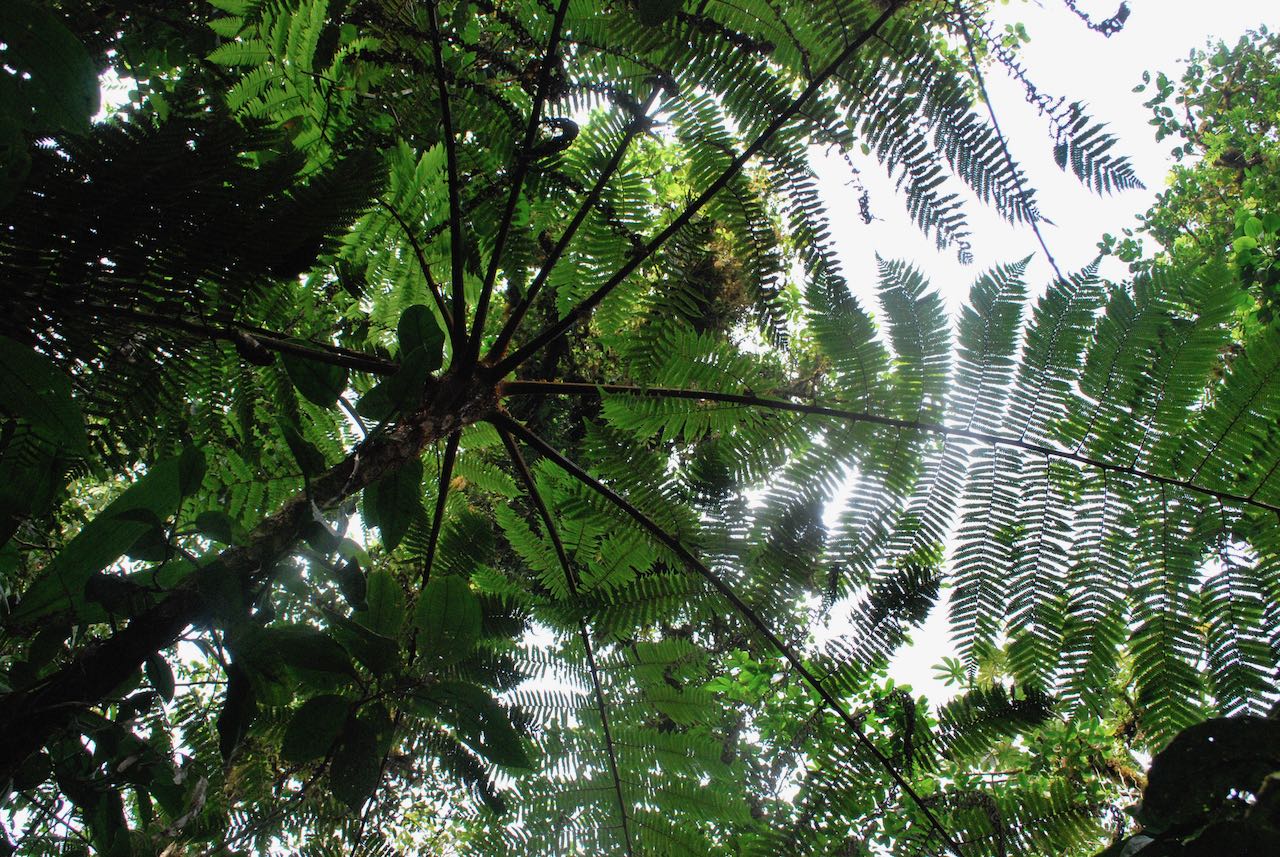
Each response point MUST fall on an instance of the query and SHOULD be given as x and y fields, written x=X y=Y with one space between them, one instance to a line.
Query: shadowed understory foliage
x=442 y=428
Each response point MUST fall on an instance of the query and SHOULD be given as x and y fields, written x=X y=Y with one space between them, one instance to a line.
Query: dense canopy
x=446 y=428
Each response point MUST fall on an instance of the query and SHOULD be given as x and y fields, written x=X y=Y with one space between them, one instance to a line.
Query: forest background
x=348 y=509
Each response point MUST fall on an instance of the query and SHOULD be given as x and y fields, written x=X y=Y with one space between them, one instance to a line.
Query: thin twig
x=442 y=494
x=559 y=328
x=1000 y=138
x=523 y=157
x=456 y=252
x=242 y=334
x=637 y=124
x=567 y=388
x=793 y=658
x=51 y=811
x=571 y=580
x=424 y=267
x=372 y=805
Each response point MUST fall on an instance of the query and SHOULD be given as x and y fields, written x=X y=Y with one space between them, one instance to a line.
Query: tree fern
x=364 y=258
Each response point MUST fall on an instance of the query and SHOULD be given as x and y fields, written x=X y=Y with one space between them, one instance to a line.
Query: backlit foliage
x=442 y=428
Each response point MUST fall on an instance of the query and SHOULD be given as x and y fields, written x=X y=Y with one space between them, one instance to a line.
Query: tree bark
x=30 y=717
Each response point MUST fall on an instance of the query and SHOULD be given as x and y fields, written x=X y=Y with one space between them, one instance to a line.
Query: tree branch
x=637 y=124
x=752 y=618
x=249 y=336
x=425 y=269
x=1265 y=479
x=523 y=157
x=30 y=716
x=571 y=580
x=566 y=388
x=442 y=494
x=559 y=328
x=1000 y=138
x=456 y=252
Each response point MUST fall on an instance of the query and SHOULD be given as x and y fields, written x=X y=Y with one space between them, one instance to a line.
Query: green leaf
x=31 y=773
x=351 y=583
x=309 y=459
x=394 y=500
x=687 y=707
x=400 y=392
x=385 y=611
x=448 y=618
x=160 y=676
x=228 y=27
x=657 y=12
x=56 y=82
x=419 y=330
x=314 y=728
x=381 y=655
x=376 y=404
x=32 y=388
x=239 y=707
x=15 y=159
x=304 y=648
x=47 y=644
x=357 y=764
x=217 y=525
x=30 y=479
x=191 y=468
x=100 y=542
x=319 y=383
x=480 y=721
x=117 y=596
x=153 y=545
x=245 y=52
x=1253 y=227
x=222 y=593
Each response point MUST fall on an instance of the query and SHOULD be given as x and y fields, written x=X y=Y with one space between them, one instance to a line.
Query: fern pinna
x=452 y=442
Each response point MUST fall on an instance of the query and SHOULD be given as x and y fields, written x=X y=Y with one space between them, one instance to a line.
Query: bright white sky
x=1063 y=58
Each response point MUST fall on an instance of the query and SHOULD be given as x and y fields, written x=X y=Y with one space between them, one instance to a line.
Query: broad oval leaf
x=160 y=676
x=477 y=717
x=351 y=583
x=217 y=525
x=303 y=648
x=357 y=764
x=381 y=655
x=31 y=773
x=448 y=619
x=400 y=392
x=384 y=612
x=394 y=500
x=310 y=460
x=239 y=707
x=314 y=728
x=58 y=86
x=101 y=542
x=191 y=470
x=419 y=330
x=317 y=382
